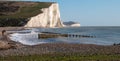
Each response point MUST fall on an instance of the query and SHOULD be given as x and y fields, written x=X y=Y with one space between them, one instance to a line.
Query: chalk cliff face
x=49 y=18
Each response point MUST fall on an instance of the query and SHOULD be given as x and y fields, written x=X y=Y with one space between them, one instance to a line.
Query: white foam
x=27 y=38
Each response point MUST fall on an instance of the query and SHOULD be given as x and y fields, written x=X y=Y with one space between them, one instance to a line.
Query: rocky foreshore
x=10 y=48
x=81 y=49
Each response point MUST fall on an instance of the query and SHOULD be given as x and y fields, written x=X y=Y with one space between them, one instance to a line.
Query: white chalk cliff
x=71 y=24
x=49 y=18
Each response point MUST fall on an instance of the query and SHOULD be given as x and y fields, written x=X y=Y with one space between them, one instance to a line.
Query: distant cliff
x=29 y=14
x=71 y=24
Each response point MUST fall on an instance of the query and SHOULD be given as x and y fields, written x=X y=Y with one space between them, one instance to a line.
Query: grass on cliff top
x=62 y=57
x=29 y=11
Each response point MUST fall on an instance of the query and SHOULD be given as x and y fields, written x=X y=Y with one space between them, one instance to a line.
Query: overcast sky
x=89 y=12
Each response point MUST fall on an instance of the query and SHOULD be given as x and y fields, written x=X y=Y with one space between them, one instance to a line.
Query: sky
x=89 y=12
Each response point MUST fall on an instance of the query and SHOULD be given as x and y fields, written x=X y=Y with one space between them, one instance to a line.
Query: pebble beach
x=15 y=48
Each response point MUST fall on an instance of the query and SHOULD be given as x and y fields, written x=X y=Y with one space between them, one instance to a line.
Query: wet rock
x=5 y=45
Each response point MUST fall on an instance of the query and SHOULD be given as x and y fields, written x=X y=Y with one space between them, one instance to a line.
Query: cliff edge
x=29 y=14
x=49 y=18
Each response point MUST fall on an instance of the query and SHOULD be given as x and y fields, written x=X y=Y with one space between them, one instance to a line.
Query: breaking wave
x=26 y=38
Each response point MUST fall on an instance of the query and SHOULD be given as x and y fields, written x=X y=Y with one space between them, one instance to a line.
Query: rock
x=49 y=18
x=22 y=14
x=5 y=45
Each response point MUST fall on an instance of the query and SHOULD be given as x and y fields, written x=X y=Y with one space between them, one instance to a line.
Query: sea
x=104 y=35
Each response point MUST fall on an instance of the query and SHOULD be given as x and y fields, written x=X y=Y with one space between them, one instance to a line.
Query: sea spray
x=27 y=38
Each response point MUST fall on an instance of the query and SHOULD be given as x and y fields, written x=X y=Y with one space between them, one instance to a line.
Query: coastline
x=19 y=49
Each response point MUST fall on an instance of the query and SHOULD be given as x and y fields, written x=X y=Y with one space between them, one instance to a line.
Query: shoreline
x=19 y=49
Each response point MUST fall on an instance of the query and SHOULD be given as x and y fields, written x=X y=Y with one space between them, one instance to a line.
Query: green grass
x=32 y=10
x=22 y=14
x=29 y=11
x=62 y=57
